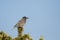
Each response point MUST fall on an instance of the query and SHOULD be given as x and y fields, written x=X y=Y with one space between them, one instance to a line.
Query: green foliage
x=41 y=37
x=24 y=37
x=4 y=36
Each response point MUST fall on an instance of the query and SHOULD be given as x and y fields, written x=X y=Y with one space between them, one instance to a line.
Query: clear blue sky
x=44 y=17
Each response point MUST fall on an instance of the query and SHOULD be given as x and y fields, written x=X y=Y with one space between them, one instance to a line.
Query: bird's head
x=25 y=17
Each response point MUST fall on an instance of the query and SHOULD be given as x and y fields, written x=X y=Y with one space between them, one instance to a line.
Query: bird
x=21 y=22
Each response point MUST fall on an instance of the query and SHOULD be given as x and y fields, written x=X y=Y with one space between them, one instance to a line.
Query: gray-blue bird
x=21 y=22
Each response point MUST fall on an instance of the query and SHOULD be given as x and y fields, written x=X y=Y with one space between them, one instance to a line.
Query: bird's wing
x=21 y=22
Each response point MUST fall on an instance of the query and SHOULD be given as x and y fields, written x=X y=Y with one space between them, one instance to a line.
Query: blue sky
x=44 y=17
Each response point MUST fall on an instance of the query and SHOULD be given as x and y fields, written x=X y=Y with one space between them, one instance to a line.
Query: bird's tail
x=14 y=27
